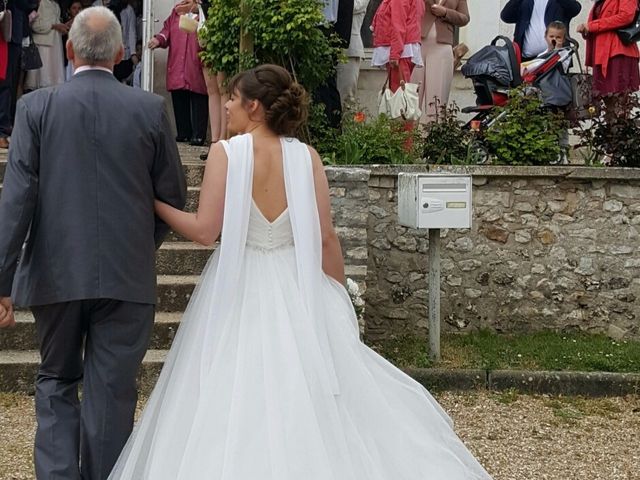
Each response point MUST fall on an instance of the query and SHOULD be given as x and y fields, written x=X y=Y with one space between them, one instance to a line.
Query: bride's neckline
x=270 y=222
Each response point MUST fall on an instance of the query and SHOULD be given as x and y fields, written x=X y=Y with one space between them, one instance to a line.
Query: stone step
x=174 y=292
x=182 y=258
x=18 y=370
x=22 y=337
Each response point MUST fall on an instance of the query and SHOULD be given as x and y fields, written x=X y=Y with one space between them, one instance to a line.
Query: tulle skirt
x=249 y=405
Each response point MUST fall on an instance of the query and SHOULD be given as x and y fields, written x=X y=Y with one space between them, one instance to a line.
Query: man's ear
x=69 y=49
x=119 y=56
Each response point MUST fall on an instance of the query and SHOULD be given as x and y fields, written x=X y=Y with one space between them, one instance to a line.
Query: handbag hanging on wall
x=30 y=55
x=403 y=103
x=631 y=33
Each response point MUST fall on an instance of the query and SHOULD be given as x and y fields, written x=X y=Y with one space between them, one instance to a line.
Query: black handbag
x=631 y=33
x=31 y=56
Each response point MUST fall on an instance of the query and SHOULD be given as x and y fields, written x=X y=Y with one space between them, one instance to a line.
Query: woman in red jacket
x=396 y=38
x=615 y=65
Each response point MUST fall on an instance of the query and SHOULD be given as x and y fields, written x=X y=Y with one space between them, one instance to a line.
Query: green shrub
x=377 y=141
x=446 y=140
x=612 y=134
x=525 y=133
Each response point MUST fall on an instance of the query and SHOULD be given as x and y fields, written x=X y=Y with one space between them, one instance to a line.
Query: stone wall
x=550 y=248
x=349 y=189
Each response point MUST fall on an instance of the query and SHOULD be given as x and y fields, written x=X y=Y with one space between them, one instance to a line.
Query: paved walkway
x=515 y=437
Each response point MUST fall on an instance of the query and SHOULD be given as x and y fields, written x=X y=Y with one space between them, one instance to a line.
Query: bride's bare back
x=268 y=177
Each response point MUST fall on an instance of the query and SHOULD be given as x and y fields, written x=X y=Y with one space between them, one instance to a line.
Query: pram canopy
x=498 y=62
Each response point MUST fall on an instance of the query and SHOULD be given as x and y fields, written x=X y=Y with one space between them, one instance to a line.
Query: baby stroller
x=496 y=69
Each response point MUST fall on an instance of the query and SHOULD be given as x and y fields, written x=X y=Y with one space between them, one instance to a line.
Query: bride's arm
x=332 y=260
x=204 y=226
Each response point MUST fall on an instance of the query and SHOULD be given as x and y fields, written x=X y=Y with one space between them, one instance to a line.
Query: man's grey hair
x=96 y=35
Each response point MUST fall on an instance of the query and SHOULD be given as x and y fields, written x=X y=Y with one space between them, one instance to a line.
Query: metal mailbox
x=434 y=200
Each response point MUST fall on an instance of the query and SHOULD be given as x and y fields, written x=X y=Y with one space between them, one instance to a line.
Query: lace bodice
x=265 y=235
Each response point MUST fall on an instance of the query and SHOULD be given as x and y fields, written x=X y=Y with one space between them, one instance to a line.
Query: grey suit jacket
x=87 y=159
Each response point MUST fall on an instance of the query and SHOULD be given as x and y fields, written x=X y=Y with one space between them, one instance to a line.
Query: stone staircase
x=179 y=263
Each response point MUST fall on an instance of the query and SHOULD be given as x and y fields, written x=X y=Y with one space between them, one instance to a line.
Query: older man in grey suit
x=87 y=159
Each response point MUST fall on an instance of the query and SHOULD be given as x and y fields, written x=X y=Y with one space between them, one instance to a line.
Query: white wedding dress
x=267 y=378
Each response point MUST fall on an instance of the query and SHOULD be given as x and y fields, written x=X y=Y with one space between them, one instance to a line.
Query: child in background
x=556 y=37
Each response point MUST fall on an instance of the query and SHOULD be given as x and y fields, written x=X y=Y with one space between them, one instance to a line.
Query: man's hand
x=7 y=317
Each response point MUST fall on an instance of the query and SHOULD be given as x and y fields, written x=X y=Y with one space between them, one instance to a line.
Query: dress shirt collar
x=86 y=68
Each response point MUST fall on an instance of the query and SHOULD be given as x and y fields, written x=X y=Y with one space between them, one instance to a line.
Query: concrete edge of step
x=574 y=383
x=18 y=374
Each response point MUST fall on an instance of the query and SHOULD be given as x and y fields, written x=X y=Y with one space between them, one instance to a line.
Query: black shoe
x=204 y=156
x=197 y=142
x=182 y=139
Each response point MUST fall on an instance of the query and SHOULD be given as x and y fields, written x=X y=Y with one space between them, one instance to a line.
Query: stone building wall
x=550 y=248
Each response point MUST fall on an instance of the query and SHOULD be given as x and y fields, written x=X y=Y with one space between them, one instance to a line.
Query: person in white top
x=532 y=17
x=128 y=22
x=534 y=42
x=47 y=35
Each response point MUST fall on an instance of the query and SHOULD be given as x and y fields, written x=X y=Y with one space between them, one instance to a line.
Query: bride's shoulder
x=239 y=139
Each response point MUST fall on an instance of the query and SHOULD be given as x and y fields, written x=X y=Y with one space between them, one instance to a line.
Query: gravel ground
x=516 y=437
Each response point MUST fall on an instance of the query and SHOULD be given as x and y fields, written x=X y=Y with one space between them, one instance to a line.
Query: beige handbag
x=188 y=23
x=403 y=103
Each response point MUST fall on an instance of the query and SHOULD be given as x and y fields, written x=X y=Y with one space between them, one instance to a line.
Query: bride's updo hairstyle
x=285 y=101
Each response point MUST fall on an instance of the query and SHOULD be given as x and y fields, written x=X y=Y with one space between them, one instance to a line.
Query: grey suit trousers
x=99 y=343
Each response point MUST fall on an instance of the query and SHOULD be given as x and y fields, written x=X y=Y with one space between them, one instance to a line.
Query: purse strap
x=403 y=81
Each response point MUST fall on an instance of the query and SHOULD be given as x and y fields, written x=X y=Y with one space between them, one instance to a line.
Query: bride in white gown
x=267 y=378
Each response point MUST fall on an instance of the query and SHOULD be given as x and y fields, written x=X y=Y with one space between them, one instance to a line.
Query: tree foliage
x=289 y=33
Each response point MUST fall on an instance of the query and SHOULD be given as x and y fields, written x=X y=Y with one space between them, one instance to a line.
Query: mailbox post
x=434 y=201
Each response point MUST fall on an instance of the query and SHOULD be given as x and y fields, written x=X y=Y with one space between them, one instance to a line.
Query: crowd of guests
x=45 y=24
x=412 y=39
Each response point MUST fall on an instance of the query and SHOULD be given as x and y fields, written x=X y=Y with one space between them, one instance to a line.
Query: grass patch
x=535 y=351
x=570 y=410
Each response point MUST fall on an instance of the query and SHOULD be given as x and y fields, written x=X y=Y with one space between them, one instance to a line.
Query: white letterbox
x=434 y=200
